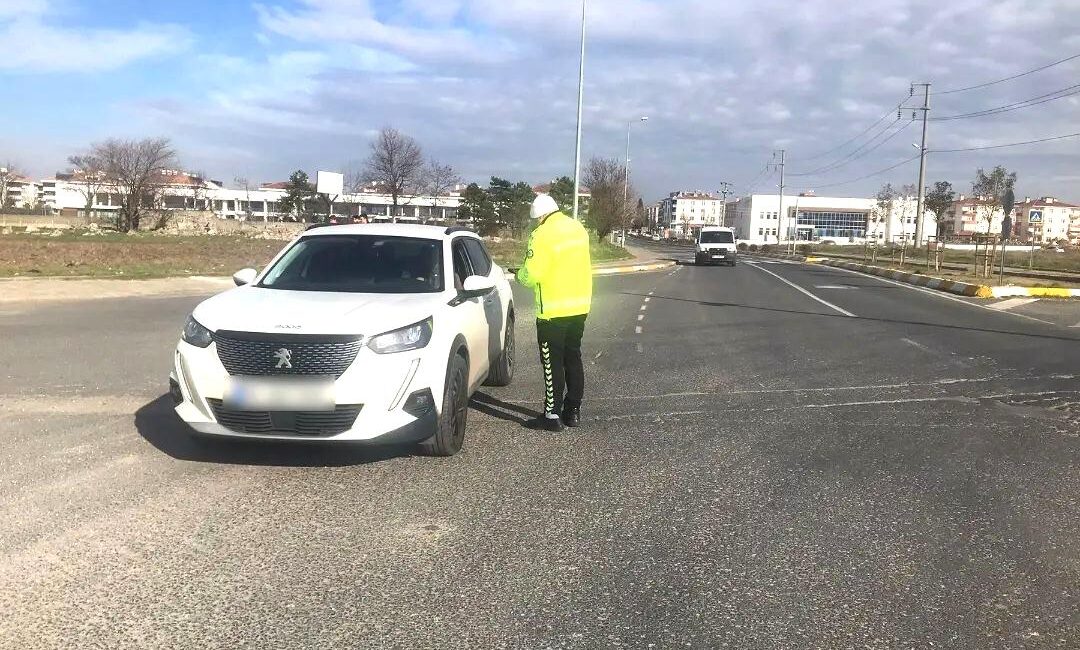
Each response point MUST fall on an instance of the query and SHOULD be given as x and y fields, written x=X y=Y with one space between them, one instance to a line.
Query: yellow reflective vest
x=558 y=268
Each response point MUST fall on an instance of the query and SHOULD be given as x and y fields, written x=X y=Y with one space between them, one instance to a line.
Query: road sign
x=330 y=183
x=1035 y=216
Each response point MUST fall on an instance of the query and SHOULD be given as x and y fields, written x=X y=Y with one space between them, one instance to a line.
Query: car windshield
x=717 y=237
x=359 y=264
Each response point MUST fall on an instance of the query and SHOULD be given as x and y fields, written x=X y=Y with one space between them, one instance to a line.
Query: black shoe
x=542 y=423
x=571 y=416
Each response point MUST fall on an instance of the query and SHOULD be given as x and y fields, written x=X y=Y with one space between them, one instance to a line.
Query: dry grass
x=131 y=256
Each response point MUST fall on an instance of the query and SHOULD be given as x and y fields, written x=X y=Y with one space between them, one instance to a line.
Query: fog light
x=175 y=392
x=419 y=403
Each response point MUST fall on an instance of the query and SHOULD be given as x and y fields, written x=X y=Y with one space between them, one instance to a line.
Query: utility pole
x=780 y=212
x=922 y=165
x=725 y=189
x=580 y=99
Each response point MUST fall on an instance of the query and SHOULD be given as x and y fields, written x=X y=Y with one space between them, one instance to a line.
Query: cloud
x=491 y=85
x=33 y=41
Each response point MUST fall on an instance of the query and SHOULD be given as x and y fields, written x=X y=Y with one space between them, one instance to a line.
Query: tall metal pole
x=580 y=99
x=780 y=213
x=725 y=189
x=922 y=168
x=626 y=166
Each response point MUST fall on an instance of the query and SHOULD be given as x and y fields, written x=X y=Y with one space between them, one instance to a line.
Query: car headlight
x=411 y=337
x=195 y=334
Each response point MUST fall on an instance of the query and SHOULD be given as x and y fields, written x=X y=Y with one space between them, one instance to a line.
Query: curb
x=930 y=282
x=949 y=286
x=616 y=270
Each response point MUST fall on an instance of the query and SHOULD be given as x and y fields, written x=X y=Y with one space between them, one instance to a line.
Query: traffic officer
x=558 y=269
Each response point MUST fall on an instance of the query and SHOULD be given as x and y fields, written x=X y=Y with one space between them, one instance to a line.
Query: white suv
x=376 y=333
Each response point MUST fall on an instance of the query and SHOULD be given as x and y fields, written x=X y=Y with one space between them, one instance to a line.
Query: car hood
x=255 y=309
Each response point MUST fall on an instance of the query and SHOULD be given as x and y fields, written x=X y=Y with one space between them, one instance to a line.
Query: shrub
x=767 y=248
x=753 y=248
x=742 y=246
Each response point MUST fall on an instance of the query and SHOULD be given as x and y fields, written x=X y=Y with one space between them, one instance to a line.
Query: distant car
x=656 y=237
x=366 y=333
x=716 y=245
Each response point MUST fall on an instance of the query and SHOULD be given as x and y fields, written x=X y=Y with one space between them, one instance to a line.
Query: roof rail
x=453 y=229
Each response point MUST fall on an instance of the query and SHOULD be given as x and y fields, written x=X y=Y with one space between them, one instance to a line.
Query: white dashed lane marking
x=641 y=317
x=917 y=345
x=833 y=286
x=637 y=330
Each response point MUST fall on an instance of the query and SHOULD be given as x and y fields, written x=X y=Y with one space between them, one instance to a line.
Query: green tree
x=477 y=207
x=938 y=201
x=993 y=189
x=562 y=190
x=297 y=193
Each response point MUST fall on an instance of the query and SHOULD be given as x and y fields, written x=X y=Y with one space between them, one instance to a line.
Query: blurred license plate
x=719 y=254
x=280 y=393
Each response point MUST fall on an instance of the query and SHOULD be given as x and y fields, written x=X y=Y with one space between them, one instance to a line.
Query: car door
x=494 y=307
x=470 y=315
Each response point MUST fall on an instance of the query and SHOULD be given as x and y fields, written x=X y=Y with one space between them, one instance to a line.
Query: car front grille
x=303 y=423
x=244 y=353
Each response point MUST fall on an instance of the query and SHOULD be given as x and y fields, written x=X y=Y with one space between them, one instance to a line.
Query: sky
x=259 y=89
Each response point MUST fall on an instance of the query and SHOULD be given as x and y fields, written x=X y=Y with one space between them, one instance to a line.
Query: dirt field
x=130 y=256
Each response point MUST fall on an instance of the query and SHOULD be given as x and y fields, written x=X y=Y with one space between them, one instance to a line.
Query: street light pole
x=626 y=168
x=580 y=99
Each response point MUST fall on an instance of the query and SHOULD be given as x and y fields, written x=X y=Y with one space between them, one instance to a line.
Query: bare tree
x=8 y=173
x=243 y=183
x=139 y=168
x=438 y=180
x=991 y=190
x=198 y=191
x=884 y=205
x=396 y=164
x=905 y=197
x=608 y=210
x=88 y=171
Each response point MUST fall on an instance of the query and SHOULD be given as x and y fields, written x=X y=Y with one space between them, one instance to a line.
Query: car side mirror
x=477 y=285
x=244 y=276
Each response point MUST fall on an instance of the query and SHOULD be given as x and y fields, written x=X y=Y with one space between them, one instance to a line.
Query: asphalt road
x=775 y=455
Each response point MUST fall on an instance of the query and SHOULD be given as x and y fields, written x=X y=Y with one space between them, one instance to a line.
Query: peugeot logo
x=284 y=358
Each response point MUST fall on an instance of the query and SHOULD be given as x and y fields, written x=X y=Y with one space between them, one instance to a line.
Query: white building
x=67 y=194
x=806 y=217
x=684 y=213
x=18 y=191
x=1046 y=220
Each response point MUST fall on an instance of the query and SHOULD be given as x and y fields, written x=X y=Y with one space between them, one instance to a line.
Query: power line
x=1015 y=76
x=1011 y=144
x=857 y=136
x=1026 y=103
x=871 y=174
x=857 y=153
x=757 y=179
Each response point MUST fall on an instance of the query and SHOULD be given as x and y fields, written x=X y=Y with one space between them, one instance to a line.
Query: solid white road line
x=1077 y=325
x=1005 y=305
x=833 y=286
x=937 y=294
x=800 y=289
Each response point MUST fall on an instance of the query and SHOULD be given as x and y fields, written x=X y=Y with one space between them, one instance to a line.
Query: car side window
x=481 y=261
x=462 y=267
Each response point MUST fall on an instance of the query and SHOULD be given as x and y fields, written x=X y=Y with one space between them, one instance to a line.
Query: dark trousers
x=560 y=357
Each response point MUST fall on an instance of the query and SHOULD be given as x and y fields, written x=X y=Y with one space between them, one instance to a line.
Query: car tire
x=450 y=424
x=502 y=371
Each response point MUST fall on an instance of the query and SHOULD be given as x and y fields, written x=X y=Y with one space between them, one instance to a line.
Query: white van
x=715 y=245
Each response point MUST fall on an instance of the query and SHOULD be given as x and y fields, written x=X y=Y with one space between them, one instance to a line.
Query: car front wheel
x=450 y=425
x=502 y=370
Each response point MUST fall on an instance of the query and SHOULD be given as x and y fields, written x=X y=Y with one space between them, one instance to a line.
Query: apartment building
x=1046 y=220
x=685 y=213
x=18 y=191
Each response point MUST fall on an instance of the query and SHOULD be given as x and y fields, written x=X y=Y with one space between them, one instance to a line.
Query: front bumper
x=715 y=256
x=379 y=385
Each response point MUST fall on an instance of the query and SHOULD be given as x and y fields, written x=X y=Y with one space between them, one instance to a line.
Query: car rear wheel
x=502 y=371
x=450 y=425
